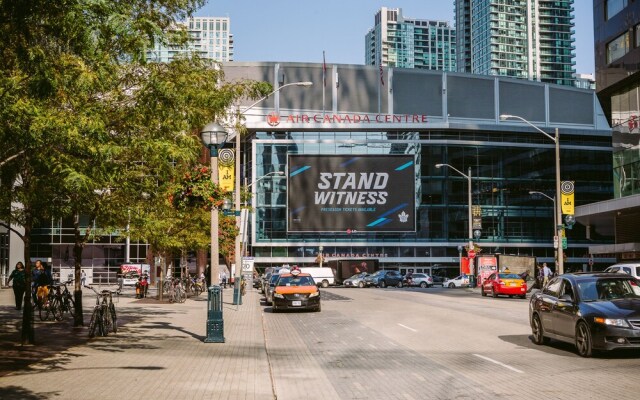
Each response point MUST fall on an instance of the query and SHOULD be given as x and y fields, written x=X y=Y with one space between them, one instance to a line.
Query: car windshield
x=360 y=275
x=296 y=281
x=274 y=278
x=608 y=289
x=509 y=276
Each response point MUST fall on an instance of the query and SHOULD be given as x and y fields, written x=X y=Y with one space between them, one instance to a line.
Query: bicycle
x=68 y=304
x=51 y=304
x=177 y=293
x=104 y=317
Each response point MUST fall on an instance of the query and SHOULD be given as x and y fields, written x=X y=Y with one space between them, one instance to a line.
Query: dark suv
x=384 y=278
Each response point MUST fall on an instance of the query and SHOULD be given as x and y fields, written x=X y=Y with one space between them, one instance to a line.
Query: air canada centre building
x=358 y=153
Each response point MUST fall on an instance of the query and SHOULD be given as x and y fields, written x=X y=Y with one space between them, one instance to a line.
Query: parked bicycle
x=103 y=318
x=50 y=304
x=177 y=293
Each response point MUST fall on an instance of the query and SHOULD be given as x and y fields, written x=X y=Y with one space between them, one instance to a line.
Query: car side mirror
x=566 y=298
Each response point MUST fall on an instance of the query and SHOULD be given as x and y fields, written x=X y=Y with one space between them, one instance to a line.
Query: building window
x=618 y=47
x=613 y=7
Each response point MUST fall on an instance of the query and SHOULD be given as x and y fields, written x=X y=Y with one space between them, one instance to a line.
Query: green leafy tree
x=86 y=125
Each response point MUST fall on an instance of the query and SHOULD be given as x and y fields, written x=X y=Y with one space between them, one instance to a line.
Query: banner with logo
x=351 y=193
x=567 y=188
x=226 y=169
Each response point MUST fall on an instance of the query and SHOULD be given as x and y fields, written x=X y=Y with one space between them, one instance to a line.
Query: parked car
x=268 y=291
x=458 y=281
x=504 y=284
x=384 y=278
x=438 y=280
x=632 y=269
x=418 y=279
x=594 y=311
x=296 y=290
x=356 y=280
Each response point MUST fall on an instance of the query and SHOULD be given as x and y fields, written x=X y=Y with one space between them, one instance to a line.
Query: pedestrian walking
x=19 y=283
x=83 y=278
x=223 y=279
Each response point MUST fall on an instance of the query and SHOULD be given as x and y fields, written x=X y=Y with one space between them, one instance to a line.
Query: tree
x=92 y=123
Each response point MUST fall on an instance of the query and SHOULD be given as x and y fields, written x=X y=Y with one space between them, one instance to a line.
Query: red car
x=503 y=283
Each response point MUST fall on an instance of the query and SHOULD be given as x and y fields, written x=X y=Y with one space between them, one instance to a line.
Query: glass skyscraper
x=528 y=39
x=401 y=42
x=209 y=37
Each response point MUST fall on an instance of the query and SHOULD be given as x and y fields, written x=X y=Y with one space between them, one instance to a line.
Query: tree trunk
x=78 y=246
x=27 y=336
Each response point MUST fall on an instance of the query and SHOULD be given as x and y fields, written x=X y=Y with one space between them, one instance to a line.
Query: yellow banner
x=568 y=201
x=226 y=170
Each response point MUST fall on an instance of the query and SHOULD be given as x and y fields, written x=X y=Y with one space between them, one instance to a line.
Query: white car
x=458 y=281
x=130 y=279
x=356 y=280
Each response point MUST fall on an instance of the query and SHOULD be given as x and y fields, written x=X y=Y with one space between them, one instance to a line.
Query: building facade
x=401 y=42
x=617 y=62
x=209 y=37
x=435 y=118
x=526 y=39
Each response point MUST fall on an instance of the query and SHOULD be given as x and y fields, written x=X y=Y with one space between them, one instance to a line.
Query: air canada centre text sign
x=367 y=193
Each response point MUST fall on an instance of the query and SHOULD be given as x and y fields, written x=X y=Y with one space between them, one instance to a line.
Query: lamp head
x=213 y=134
x=505 y=117
x=306 y=83
x=226 y=204
x=439 y=165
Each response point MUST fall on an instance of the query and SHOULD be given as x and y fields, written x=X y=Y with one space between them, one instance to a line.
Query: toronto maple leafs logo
x=403 y=217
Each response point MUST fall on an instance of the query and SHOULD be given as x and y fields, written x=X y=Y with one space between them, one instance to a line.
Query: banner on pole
x=568 y=202
x=226 y=170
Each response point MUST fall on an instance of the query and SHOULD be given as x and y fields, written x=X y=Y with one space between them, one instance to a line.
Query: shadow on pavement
x=558 y=348
x=57 y=337
x=20 y=393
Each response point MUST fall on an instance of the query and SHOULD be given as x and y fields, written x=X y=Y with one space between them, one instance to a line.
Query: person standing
x=83 y=278
x=223 y=279
x=546 y=273
x=19 y=283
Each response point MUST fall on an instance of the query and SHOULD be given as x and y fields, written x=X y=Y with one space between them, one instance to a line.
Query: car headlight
x=612 y=321
x=278 y=295
x=314 y=294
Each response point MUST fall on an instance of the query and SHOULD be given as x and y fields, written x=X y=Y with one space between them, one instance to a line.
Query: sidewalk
x=158 y=353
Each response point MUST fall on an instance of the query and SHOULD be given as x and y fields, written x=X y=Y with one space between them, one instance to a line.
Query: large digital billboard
x=351 y=193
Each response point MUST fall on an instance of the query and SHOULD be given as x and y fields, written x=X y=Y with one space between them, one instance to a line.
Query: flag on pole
x=324 y=70
x=381 y=72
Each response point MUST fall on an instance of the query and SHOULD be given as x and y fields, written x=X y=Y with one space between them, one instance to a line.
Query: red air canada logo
x=273 y=119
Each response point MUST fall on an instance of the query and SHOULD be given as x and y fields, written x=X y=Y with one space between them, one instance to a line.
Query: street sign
x=564 y=243
x=471 y=253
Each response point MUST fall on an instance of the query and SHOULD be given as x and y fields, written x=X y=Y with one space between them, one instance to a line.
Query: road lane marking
x=406 y=327
x=499 y=363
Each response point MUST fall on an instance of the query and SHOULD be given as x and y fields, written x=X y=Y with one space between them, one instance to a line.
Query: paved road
x=431 y=344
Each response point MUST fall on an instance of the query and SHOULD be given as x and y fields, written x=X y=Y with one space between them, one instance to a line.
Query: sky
x=300 y=30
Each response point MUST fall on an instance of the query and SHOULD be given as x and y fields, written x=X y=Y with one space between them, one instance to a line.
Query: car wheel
x=452 y=285
x=493 y=292
x=318 y=309
x=360 y=285
x=482 y=292
x=584 y=343
x=537 y=330
x=325 y=283
x=399 y=284
x=383 y=284
x=423 y=285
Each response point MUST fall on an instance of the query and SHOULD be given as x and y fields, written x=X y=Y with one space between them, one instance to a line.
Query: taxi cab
x=295 y=290
x=505 y=284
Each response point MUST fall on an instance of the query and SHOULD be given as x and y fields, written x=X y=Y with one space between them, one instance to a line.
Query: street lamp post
x=214 y=136
x=237 y=297
x=470 y=204
x=555 y=218
x=558 y=205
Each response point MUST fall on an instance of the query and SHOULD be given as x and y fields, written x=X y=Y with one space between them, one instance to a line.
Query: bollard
x=215 y=323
